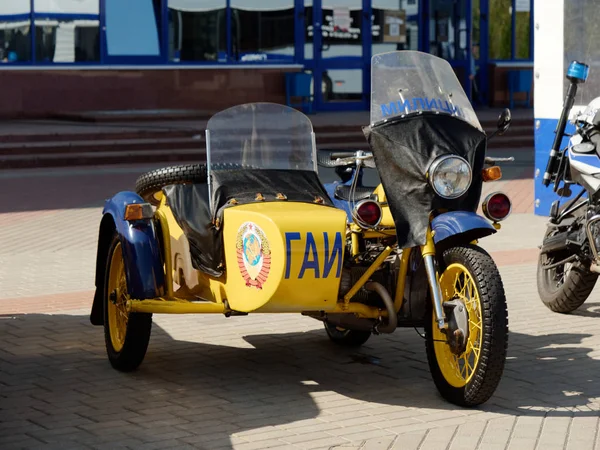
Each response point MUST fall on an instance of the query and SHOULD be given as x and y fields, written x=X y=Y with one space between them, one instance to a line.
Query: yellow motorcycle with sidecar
x=254 y=230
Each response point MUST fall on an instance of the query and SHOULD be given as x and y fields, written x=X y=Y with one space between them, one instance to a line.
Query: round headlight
x=450 y=176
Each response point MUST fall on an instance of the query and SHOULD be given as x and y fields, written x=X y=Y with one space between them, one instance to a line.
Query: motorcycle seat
x=342 y=192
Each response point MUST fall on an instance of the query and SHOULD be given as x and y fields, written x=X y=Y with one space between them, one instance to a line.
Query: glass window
x=581 y=32
x=522 y=30
x=500 y=29
x=67 y=6
x=262 y=33
x=15 y=37
x=197 y=30
x=67 y=40
x=15 y=41
x=308 y=30
x=395 y=25
x=476 y=14
x=132 y=27
x=448 y=29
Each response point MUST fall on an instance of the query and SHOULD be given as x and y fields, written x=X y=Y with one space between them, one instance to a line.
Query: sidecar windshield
x=409 y=82
x=260 y=136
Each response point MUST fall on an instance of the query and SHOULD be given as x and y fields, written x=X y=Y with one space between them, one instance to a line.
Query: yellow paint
x=429 y=247
x=356 y=239
x=280 y=294
x=365 y=277
x=359 y=309
x=381 y=197
x=168 y=226
x=458 y=370
x=174 y=306
x=117 y=312
x=400 y=285
x=496 y=225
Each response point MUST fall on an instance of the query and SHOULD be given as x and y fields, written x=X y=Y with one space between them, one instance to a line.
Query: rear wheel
x=126 y=334
x=345 y=337
x=467 y=362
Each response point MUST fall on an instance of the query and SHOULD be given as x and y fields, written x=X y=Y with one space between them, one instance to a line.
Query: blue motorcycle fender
x=463 y=226
x=141 y=253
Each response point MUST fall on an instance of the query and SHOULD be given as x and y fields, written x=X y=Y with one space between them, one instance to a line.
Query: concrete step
x=100 y=158
x=95 y=146
x=140 y=144
x=134 y=133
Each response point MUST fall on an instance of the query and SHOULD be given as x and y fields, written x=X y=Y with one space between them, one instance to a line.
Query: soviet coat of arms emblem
x=253 y=254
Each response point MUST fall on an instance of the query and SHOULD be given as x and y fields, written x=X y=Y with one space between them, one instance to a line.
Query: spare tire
x=152 y=182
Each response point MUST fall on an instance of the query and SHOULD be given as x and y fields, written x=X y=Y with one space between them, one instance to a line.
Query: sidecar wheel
x=346 y=338
x=468 y=374
x=126 y=335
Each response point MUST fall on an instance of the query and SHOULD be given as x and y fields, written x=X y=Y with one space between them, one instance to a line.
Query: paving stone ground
x=261 y=381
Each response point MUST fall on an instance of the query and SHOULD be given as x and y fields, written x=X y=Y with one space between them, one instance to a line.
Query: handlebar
x=492 y=160
x=337 y=155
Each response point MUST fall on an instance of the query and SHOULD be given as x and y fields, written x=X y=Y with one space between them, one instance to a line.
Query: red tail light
x=368 y=213
x=496 y=206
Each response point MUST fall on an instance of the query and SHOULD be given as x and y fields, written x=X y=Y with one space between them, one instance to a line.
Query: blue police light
x=578 y=71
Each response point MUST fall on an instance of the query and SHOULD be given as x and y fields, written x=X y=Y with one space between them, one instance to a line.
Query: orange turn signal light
x=491 y=173
x=138 y=211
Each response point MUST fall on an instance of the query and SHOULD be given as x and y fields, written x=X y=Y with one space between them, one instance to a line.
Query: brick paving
x=262 y=381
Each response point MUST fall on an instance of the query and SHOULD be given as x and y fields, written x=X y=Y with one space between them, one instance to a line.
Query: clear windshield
x=260 y=136
x=406 y=82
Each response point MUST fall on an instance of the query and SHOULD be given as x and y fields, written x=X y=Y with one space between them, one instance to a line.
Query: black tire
x=564 y=292
x=138 y=329
x=346 y=338
x=494 y=325
x=152 y=182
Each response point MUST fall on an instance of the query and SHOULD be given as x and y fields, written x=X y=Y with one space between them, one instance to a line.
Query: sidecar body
x=256 y=232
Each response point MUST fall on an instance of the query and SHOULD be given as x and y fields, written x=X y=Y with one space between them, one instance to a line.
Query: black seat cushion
x=361 y=193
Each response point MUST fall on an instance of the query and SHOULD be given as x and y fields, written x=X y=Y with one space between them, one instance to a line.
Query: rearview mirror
x=504 y=121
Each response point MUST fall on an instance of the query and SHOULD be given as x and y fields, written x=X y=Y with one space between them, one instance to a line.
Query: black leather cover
x=404 y=150
x=244 y=185
x=192 y=210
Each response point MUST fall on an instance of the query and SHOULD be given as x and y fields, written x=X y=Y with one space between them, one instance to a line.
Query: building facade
x=72 y=55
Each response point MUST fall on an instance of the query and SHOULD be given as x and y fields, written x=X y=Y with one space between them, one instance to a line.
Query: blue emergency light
x=578 y=72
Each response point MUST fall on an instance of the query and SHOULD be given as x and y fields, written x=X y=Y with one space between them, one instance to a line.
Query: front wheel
x=467 y=362
x=126 y=334
x=566 y=287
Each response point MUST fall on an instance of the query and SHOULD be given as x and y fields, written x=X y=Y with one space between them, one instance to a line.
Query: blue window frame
x=190 y=32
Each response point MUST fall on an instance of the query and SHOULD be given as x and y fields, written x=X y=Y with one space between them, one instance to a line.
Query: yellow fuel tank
x=283 y=256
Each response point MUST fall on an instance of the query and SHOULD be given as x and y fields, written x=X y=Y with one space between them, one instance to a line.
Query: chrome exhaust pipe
x=351 y=322
x=392 y=323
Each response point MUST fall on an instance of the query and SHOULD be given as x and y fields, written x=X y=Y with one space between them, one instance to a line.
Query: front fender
x=141 y=253
x=460 y=226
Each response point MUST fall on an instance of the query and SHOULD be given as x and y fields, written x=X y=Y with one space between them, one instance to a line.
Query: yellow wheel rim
x=457 y=283
x=117 y=300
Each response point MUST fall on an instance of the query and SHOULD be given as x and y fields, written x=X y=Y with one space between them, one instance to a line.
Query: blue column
x=484 y=49
x=228 y=31
x=513 y=29
x=299 y=31
x=32 y=31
